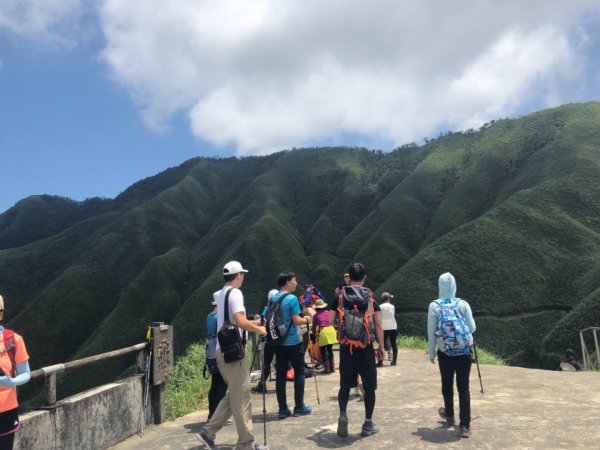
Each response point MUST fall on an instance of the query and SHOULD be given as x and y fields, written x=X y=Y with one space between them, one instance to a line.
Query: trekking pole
x=264 y=387
x=314 y=374
x=477 y=362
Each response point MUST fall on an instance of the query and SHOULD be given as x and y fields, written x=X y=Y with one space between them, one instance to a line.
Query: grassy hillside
x=512 y=210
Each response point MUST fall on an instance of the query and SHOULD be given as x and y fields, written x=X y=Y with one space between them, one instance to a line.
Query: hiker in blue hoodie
x=450 y=326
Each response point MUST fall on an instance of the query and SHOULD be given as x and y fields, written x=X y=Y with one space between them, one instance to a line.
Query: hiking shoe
x=342 y=429
x=449 y=420
x=284 y=414
x=464 y=432
x=304 y=411
x=207 y=441
x=369 y=428
x=257 y=446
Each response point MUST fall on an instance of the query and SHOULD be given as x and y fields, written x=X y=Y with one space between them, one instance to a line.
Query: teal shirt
x=289 y=307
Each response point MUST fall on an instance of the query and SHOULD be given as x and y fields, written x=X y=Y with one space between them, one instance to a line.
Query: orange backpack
x=356 y=326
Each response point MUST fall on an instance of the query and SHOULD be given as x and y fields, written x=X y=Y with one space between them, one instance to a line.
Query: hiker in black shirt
x=357 y=356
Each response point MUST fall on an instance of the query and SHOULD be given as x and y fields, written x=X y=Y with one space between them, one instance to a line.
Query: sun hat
x=320 y=304
x=233 y=267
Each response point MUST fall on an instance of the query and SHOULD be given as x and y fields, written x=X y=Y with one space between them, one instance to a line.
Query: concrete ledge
x=94 y=419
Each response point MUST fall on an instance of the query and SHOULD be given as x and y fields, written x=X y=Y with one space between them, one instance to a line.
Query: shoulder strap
x=226 y=317
x=10 y=347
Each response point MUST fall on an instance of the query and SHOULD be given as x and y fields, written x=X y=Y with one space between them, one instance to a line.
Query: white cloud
x=266 y=75
x=47 y=21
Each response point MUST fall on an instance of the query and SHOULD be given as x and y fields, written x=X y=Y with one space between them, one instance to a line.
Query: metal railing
x=49 y=372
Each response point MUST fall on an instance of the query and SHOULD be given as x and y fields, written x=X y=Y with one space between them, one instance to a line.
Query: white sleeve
x=236 y=302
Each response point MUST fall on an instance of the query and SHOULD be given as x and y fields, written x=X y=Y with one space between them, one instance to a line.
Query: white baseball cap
x=233 y=267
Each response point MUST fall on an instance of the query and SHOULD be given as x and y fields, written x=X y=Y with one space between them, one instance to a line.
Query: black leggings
x=461 y=365
x=8 y=422
x=218 y=389
x=391 y=335
x=326 y=352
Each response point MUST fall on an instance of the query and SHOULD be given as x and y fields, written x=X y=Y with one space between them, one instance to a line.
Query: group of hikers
x=364 y=330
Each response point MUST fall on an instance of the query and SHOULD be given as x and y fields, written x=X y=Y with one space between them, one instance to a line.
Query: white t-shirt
x=388 y=316
x=236 y=305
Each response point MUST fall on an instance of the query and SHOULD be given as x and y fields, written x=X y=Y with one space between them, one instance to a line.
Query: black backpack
x=232 y=345
x=277 y=330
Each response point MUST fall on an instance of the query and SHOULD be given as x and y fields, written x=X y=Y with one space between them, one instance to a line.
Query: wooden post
x=162 y=367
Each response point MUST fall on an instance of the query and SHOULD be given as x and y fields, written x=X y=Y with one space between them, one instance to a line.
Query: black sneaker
x=380 y=363
x=207 y=441
x=449 y=419
x=342 y=429
x=464 y=432
x=260 y=388
x=284 y=414
x=369 y=428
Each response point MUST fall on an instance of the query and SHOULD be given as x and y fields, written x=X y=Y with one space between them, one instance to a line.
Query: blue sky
x=95 y=95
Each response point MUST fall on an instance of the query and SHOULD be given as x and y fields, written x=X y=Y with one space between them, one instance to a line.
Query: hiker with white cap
x=238 y=400
x=388 y=321
x=14 y=371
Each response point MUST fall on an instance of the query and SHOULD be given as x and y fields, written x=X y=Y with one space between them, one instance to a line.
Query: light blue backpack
x=453 y=330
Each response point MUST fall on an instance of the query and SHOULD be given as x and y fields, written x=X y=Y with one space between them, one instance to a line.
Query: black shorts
x=361 y=362
x=9 y=421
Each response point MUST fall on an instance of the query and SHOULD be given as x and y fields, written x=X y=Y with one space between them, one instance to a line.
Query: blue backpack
x=453 y=330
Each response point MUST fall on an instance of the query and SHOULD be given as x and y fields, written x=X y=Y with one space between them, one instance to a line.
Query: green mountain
x=511 y=210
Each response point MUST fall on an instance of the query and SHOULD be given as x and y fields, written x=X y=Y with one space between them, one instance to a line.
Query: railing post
x=162 y=367
x=50 y=385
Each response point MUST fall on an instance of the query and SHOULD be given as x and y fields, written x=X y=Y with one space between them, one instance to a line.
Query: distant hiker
x=237 y=401
x=358 y=315
x=346 y=282
x=14 y=364
x=289 y=349
x=218 y=386
x=325 y=335
x=268 y=350
x=388 y=321
x=571 y=358
x=450 y=326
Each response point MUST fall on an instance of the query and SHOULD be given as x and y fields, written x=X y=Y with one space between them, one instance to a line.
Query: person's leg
x=223 y=411
x=368 y=375
x=269 y=352
x=348 y=377
x=331 y=359
x=281 y=368
x=348 y=380
x=6 y=441
x=446 y=365
x=394 y=344
x=463 y=371
x=240 y=400
x=218 y=389
x=325 y=359
x=296 y=355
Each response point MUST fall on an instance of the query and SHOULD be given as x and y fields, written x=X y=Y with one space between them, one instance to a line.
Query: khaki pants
x=237 y=402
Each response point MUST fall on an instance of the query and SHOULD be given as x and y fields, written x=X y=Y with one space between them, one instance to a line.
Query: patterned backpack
x=453 y=330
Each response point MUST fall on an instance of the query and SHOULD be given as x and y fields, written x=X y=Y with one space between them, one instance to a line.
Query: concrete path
x=521 y=409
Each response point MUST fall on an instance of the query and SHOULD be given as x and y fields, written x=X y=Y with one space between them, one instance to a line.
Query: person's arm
x=379 y=332
x=23 y=375
x=249 y=325
x=431 y=328
x=468 y=315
